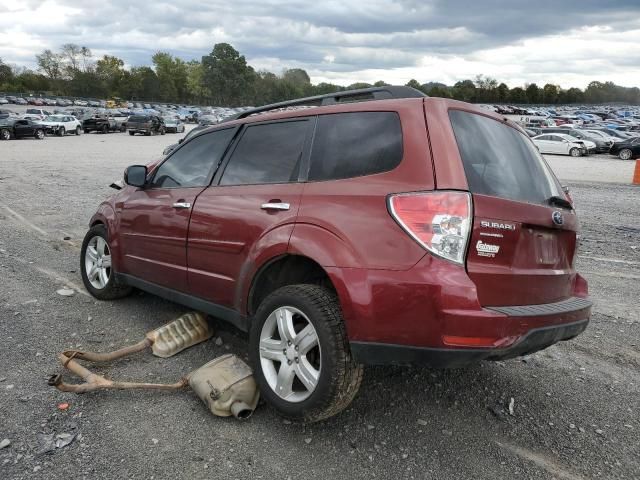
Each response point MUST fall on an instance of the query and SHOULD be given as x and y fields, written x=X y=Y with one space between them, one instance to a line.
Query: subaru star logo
x=557 y=218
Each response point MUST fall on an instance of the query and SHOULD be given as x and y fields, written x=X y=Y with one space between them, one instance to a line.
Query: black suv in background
x=147 y=124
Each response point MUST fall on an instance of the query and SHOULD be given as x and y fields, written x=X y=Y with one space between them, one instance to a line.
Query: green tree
x=518 y=95
x=413 y=83
x=6 y=74
x=502 y=93
x=226 y=75
x=533 y=93
x=164 y=66
x=110 y=71
x=195 y=81
x=550 y=93
x=464 y=90
x=50 y=64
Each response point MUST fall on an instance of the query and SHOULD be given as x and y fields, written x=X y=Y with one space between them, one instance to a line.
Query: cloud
x=347 y=41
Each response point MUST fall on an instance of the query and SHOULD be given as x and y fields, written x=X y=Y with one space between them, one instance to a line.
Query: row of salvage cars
x=13 y=127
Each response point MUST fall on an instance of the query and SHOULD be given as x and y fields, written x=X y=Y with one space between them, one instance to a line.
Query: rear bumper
x=536 y=339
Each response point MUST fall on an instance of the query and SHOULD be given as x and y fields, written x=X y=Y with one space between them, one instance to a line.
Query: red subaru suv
x=379 y=227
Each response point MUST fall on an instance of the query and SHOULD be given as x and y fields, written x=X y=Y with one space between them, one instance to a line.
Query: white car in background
x=562 y=144
x=62 y=124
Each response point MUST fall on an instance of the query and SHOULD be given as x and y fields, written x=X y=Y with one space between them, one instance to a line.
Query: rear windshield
x=500 y=161
x=138 y=118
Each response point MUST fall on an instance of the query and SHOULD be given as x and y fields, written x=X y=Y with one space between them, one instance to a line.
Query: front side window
x=354 y=144
x=267 y=153
x=192 y=164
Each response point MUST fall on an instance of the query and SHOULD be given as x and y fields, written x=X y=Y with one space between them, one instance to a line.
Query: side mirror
x=181 y=140
x=135 y=175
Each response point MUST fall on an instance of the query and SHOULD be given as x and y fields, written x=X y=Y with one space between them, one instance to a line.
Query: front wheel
x=105 y=129
x=39 y=134
x=162 y=131
x=132 y=133
x=77 y=132
x=96 y=270
x=61 y=132
x=5 y=134
x=625 y=154
x=574 y=152
x=300 y=354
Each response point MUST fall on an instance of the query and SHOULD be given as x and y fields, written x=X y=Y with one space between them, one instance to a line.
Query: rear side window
x=355 y=144
x=191 y=165
x=267 y=153
x=138 y=118
x=500 y=161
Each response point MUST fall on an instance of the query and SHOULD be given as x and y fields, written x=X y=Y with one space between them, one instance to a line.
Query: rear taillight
x=439 y=221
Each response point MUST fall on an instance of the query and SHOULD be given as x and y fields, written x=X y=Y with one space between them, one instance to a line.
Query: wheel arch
x=281 y=271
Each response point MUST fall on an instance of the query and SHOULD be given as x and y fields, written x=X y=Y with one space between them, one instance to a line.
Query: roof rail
x=347 y=96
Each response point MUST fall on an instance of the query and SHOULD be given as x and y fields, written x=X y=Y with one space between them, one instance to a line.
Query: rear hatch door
x=523 y=241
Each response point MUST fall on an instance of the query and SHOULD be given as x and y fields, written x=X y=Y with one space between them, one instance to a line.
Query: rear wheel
x=105 y=129
x=162 y=131
x=575 y=152
x=97 y=273
x=147 y=133
x=61 y=132
x=5 y=134
x=625 y=154
x=132 y=133
x=39 y=134
x=77 y=132
x=300 y=353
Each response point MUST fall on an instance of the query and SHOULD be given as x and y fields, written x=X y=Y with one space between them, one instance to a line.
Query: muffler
x=225 y=384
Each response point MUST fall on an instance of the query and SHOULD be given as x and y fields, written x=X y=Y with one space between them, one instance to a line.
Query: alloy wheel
x=97 y=261
x=290 y=354
x=625 y=154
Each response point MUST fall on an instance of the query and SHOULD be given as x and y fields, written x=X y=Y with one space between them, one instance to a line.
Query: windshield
x=53 y=118
x=500 y=161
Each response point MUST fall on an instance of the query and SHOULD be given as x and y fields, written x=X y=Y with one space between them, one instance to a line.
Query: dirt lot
x=576 y=406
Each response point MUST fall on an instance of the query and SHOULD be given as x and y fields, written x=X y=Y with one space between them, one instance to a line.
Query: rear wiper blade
x=559 y=202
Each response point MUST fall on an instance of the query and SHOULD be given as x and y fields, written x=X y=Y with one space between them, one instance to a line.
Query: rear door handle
x=275 y=206
x=182 y=205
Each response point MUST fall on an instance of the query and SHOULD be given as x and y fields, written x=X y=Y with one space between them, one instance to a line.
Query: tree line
x=224 y=78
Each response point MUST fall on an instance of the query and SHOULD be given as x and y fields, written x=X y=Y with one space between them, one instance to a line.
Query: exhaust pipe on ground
x=225 y=384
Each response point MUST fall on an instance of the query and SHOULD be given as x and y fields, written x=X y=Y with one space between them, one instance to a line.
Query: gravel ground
x=575 y=405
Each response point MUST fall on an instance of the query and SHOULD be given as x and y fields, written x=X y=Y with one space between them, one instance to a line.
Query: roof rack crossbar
x=374 y=93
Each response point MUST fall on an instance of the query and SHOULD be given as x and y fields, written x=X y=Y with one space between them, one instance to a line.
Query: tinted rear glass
x=500 y=161
x=355 y=144
x=138 y=118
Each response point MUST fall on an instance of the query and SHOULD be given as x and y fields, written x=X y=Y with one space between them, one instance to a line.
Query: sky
x=565 y=42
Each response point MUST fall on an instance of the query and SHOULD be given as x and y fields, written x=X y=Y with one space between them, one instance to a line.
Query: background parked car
x=21 y=128
x=61 y=124
x=36 y=113
x=626 y=150
x=173 y=125
x=101 y=123
x=146 y=124
x=560 y=144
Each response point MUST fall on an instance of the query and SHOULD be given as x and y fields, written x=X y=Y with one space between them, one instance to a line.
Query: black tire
x=339 y=378
x=112 y=290
x=132 y=133
x=123 y=128
x=39 y=134
x=5 y=134
x=86 y=130
x=77 y=131
x=147 y=133
x=575 y=152
x=105 y=129
x=162 y=131
x=61 y=131
x=625 y=154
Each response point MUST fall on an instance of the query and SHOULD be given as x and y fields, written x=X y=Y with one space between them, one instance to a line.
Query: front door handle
x=182 y=205
x=275 y=206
